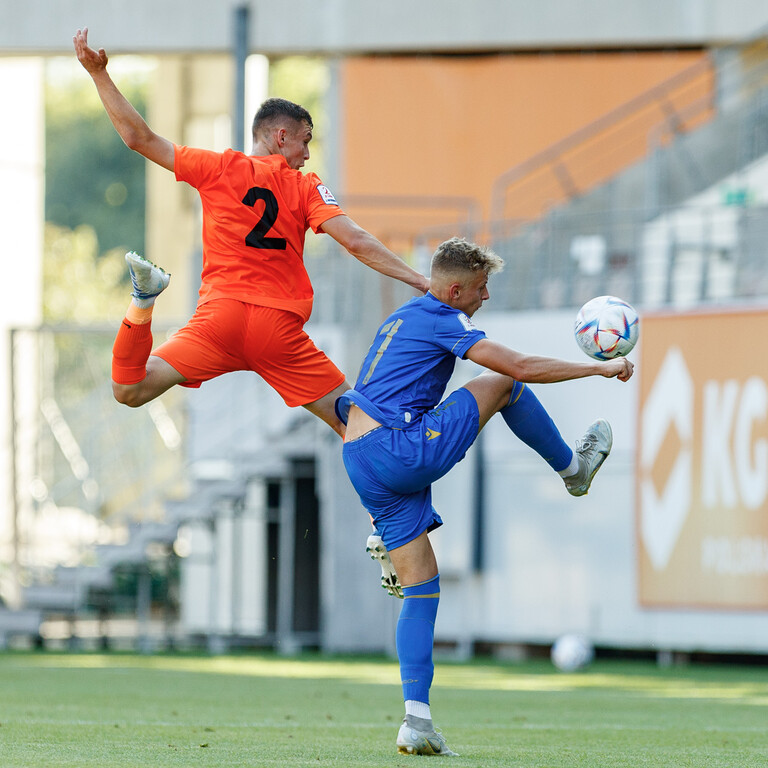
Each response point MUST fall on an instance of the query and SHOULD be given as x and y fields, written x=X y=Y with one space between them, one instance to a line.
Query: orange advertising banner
x=702 y=461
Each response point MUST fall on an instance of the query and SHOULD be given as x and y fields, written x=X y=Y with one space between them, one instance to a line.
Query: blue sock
x=415 y=636
x=526 y=417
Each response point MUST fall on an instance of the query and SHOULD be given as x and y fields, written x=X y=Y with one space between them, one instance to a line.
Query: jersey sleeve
x=455 y=332
x=197 y=167
x=321 y=205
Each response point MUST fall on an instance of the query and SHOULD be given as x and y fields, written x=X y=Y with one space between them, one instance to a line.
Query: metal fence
x=84 y=467
x=676 y=258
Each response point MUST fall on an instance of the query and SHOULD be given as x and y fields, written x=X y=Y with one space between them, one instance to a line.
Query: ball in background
x=572 y=652
x=607 y=327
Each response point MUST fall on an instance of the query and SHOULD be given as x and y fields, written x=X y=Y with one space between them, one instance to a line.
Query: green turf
x=105 y=711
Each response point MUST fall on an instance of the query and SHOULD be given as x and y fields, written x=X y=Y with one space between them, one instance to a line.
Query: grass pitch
x=105 y=711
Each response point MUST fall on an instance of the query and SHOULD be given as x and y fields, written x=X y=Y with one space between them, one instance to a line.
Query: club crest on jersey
x=466 y=322
x=326 y=194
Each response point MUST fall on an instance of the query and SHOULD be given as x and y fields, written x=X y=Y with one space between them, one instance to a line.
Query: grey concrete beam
x=360 y=26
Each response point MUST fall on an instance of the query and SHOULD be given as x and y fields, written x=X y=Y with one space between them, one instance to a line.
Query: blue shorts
x=392 y=469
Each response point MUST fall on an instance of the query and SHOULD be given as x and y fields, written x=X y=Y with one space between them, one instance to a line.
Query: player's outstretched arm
x=136 y=134
x=532 y=369
x=367 y=249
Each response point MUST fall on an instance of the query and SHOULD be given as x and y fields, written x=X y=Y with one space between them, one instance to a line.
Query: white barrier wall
x=554 y=563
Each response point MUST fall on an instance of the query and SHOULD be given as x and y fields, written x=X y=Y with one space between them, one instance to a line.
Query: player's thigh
x=491 y=392
x=415 y=561
x=291 y=363
x=210 y=344
x=325 y=408
x=374 y=470
x=432 y=448
x=160 y=377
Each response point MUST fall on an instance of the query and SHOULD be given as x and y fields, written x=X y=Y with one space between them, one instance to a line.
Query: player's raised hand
x=93 y=61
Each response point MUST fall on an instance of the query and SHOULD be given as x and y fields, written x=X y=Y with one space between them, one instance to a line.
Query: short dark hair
x=273 y=110
x=459 y=255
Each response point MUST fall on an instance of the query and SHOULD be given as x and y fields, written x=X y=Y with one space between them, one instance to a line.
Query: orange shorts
x=226 y=335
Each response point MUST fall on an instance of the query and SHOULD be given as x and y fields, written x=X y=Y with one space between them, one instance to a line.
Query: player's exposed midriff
x=358 y=423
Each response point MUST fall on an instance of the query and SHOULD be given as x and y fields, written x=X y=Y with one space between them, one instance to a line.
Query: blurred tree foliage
x=79 y=284
x=91 y=176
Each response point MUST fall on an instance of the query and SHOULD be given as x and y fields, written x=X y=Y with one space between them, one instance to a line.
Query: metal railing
x=720 y=82
x=604 y=147
x=673 y=257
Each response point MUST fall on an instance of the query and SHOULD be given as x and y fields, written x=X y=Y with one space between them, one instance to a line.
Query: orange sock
x=131 y=349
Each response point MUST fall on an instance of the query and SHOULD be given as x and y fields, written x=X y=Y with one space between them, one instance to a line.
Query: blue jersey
x=408 y=366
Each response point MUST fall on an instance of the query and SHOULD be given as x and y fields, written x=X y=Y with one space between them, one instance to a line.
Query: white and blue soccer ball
x=571 y=653
x=606 y=327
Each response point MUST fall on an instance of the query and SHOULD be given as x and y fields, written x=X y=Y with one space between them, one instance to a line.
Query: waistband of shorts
x=373 y=436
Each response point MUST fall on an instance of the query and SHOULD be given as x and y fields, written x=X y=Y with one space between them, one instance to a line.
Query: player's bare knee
x=499 y=385
x=127 y=395
x=503 y=387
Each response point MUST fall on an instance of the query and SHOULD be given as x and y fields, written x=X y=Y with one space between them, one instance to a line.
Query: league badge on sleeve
x=466 y=322
x=326 y=194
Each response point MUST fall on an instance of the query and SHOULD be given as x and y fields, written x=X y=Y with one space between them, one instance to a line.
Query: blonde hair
x=459 y=255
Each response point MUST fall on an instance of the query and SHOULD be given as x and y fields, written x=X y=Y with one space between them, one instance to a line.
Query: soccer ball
x=572 y=652
x=606 y=327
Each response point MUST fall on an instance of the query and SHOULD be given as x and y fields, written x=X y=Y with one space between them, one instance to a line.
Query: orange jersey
x=256 y=211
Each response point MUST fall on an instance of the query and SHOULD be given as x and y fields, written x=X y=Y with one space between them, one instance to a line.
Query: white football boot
x=148 y=280
x=592 y=450
x=376 y=548
x=418 y=737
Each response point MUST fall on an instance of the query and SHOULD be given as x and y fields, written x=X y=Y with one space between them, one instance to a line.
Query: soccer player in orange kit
x=255 y=295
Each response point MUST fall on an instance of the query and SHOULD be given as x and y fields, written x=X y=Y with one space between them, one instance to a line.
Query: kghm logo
x=702 y=462
x=726 y=476
x=734 y=471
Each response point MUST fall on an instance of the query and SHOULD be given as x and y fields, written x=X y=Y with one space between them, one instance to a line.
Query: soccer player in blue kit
x=400 y=438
